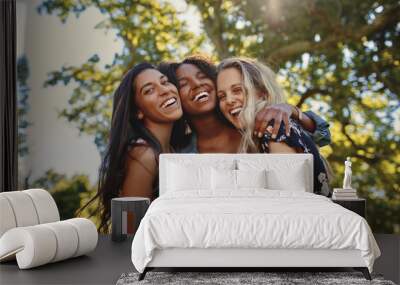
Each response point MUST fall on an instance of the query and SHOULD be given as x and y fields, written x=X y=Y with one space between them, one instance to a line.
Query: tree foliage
x=341 y=58
x=150 y=31
x=69 y=193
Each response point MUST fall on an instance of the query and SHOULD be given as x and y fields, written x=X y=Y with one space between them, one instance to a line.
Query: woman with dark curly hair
x=195 y=78
x=147 y=120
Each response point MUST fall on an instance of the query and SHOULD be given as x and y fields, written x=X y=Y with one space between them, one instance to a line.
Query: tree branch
x=310 y=93
x=214 y=27
x=389 y=17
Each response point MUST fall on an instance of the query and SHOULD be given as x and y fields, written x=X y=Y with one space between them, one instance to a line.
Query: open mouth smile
x=201 y=97
x=169 y=103
x=235 y=111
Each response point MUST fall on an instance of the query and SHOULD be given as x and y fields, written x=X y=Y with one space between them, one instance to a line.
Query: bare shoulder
x=142 y=156
x=141 y=172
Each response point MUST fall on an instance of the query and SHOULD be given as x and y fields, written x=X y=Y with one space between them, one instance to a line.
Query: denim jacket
x=321 y=136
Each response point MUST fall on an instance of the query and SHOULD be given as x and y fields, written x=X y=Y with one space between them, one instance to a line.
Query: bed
x=247 y=210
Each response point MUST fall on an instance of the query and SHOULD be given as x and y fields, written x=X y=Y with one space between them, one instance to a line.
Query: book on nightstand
x=344 y=194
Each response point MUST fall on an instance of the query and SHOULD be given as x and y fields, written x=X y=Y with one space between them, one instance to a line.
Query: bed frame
x=249 y=257
x=243 y=259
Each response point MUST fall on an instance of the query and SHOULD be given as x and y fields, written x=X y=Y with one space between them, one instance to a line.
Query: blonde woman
x=244 y=86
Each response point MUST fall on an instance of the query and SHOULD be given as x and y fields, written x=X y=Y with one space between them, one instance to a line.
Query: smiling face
x=157 y=98
x=196 y=90
x=231 y=94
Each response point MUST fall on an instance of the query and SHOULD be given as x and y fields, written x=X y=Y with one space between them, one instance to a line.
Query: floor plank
x=110 y=260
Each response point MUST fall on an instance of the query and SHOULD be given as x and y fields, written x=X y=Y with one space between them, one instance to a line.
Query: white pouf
x=31 y=231
x=40 y=244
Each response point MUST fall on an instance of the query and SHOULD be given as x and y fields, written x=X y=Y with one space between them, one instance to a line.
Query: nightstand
x=357 y=205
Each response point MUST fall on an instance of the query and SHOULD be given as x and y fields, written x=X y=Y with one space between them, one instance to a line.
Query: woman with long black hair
x=146 y=113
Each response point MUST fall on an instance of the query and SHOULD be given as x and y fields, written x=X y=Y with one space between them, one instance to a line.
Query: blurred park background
x=339 y=58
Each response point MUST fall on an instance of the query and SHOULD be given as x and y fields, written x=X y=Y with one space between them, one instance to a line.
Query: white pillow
x=293 y=180
x=251 y=178
x=236 y=179
x=182 y=177
x=282 y=174
x=223 y=179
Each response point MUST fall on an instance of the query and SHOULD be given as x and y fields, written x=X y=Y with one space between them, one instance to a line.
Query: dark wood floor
x=110 y=260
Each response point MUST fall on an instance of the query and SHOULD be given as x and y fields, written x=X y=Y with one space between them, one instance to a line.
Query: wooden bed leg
x=143 y=274
x=364 y=271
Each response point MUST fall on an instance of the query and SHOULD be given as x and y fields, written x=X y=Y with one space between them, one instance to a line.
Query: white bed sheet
x=251 y=218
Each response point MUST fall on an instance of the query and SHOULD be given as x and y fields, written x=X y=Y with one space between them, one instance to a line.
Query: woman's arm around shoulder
x=282 y=143
x=315 y=125
x=141 y=171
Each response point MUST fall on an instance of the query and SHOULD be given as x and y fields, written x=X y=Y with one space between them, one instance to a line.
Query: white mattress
x=252 y=218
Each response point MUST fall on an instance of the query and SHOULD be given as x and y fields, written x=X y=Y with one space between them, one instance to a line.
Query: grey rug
x=228 y=278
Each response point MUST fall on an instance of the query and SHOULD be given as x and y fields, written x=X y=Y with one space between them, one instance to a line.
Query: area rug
x=229 y=278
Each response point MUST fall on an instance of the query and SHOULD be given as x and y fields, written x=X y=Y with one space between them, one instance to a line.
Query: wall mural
x=340 y=60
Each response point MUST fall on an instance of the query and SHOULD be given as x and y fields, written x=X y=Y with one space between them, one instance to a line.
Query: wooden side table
x=357 y=205
x=119 y=208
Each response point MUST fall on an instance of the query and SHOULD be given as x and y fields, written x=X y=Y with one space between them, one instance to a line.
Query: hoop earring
x=188 y=130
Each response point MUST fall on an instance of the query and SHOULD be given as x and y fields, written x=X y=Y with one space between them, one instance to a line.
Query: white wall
x=48 y=44
x=54 y=142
